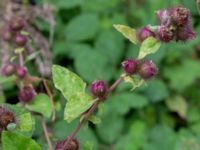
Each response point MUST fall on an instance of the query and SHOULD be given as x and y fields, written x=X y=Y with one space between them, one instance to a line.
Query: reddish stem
x=90 y=112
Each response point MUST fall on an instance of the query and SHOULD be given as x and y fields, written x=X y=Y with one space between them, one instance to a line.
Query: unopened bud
x=130 y=66
x=21 y=72
x=8 y=69
x=99 y=89
x=27 y=94
x=20 y=40
x=165 y=33
x=17 y=23
x=144 y=33
x=148 y=70
x=180 y=15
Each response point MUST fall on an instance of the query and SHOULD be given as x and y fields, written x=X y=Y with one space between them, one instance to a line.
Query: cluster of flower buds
x=146 y=69
x=6 y=117
x=73 y=145
x=13 y=32
x=12 y=69
x=175 y=24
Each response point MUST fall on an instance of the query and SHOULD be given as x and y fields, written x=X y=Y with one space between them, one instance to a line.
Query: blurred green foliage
x=164 y=114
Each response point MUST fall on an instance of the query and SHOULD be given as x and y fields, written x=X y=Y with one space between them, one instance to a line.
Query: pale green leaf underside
x=149 y=46
x=127 y=32
x=178 y=104
x=25 y=123
x=41 y=104
x=95 y=119
x=14 y=141
x=76 y=105
x=67 y=82
x=135 y=81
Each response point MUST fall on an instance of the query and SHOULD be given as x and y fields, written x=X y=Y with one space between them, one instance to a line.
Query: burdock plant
x=174 y=24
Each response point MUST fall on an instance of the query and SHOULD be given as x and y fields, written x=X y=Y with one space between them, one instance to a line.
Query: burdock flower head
x=6 y=117
x=8 y=69
x=130 y=66
x=175 y=22
x=164 y=17
x=165 y=33
x=73 y=145
x=180 y=15
x=185 y=33
x=148 y=70
x=27 y=94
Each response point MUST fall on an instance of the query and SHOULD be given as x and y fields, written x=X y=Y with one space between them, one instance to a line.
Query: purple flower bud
x=6 y=117
x=7 y=35
x=180 y=15
x=73 y=145
x=21 y=72
x=20 y=40
x=130 y=66
x=164 y=16
x=8 y=69
x=99 y=89
x=144 y=33
x=17 y=23
x=27 y=94
x=148 y=70
x=185 y=33
x=165 y=33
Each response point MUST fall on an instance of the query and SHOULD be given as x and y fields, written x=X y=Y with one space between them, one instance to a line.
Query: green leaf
x=187 y=141
x=66 y=4
x=135 y=139
x=41 y=104
x=135 y=81
x=82 y=27
x=178 y=104
x=127 y=32
x=110 y=44
x=14 y=141
x=26 y=123
x=95 y=119
x=98 y=6
x=149 y=46
x=129 y=100
x=88 y=145
x=76 y=105
x=156 y=141
x=157 y=90
x=182 y=75
x=67 y=82
x=88 y=68
x=111 y=127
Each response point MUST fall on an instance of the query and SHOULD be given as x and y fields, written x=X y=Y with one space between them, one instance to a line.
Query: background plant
x=152 y=112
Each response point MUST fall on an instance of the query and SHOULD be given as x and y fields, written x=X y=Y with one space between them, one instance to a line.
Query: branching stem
x=90 y=112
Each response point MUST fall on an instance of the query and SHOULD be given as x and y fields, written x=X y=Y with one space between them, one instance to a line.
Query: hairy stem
x=21 y=60
x=45 y=82
x=44 y=126
x=89 y=113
